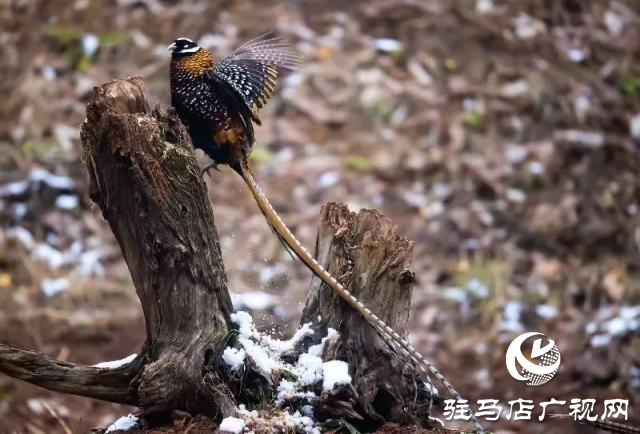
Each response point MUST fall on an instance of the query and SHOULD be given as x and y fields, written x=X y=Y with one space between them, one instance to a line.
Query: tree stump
x=145 y=178
x=366 y=254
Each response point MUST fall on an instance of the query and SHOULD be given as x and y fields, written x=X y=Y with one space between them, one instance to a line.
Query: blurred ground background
x=501 y=136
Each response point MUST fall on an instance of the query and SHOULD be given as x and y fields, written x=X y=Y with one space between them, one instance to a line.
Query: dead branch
x=110 y=385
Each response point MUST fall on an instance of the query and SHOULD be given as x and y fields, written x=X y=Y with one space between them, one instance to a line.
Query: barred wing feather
x=252 y=70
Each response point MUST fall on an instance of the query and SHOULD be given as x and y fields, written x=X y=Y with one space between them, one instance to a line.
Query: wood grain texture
x=366 y=254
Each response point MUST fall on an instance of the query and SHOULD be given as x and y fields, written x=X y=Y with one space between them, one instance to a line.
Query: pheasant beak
x=171 y=47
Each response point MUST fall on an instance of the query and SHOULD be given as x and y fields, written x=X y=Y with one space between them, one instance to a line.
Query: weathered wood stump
x=366 y=254
x=145 y=178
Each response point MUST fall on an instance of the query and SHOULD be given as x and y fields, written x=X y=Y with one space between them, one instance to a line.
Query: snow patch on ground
x=51 y=287
x=37 y=176
x=266 y=352
x=82 y=256
x=309 y=369
x=263 y=350
x=244 y=322
x=512 y=321
x=67 y=201
x=125 y=423
x=610 y=324
x=232 y=425
x=242 y=409
x=234 y=357
x=304 y=423
x=21 y=234
x=284 y=421
x=335 y=372
x=283 y=347
x=54 y=181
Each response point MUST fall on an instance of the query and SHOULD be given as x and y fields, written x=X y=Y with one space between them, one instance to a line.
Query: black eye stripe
x=185 y=44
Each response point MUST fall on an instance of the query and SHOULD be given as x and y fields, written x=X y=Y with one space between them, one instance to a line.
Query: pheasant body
x=219 y=102
x=208 y=112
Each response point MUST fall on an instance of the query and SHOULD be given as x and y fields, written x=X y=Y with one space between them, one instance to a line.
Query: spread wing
x=252 y=70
